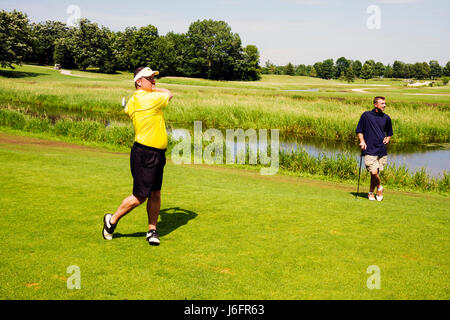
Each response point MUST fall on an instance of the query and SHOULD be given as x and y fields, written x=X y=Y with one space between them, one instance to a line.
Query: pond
x=435 y=158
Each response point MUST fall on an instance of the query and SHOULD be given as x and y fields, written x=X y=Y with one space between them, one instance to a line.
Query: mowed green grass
x=226 y=233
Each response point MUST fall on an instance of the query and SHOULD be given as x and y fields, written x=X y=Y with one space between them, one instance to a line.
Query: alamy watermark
x=74 y=281
x=237 y=149
x=75 y=15
x=374 y=281
x=374 y=20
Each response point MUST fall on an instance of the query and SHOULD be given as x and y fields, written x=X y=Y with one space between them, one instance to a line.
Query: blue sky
x=297 y=31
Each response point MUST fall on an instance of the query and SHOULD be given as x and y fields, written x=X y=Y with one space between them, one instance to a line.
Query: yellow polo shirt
x=145 y=110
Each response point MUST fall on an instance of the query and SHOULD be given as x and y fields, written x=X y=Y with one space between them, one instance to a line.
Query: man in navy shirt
x=374 y=132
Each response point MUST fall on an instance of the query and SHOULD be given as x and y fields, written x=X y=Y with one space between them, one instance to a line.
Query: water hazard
x=435 y=158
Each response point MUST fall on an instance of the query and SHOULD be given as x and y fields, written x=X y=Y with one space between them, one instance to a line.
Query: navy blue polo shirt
x=375 y=126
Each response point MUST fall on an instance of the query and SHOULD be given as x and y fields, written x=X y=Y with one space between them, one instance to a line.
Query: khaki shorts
x=375 y=163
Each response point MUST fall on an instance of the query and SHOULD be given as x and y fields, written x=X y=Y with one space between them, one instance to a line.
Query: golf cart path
x=9 y=139
x=69 y=73
x=362 y=90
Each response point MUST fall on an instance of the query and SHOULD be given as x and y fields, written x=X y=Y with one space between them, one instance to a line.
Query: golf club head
x=124 y=102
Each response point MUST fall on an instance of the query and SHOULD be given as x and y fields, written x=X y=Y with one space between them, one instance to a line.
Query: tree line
x=348 y=70
x=209 y=49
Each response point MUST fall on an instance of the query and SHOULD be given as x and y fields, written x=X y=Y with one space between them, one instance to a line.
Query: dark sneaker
x=153 y=238
x=108 y=227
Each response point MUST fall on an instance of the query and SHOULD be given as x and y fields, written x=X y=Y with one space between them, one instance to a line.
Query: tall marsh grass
x=344 y=166
x=341 y=167
x=258 y=105
x=85 y=130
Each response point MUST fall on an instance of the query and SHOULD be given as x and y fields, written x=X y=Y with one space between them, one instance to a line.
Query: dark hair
x=375 y=100
x=135 y=73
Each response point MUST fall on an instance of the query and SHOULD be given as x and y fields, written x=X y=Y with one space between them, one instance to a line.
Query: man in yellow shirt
x=147 y=157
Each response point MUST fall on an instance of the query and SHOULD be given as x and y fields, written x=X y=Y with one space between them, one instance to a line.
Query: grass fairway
x=226 y=233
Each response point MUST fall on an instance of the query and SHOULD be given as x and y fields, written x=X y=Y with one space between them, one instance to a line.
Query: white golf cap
x=146 y=72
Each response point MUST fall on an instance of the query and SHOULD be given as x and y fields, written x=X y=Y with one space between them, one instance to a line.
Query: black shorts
x=147 y=167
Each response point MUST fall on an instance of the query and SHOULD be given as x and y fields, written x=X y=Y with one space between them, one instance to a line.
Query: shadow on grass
x=19 y=74
x=171 y=219
x=363 y=195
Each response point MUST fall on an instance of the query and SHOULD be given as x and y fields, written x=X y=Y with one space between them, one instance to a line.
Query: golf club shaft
x=359 y=176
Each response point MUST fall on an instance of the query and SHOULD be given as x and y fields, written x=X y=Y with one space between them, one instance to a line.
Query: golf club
x=359 y=176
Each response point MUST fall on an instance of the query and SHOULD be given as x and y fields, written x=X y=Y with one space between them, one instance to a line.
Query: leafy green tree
x=15 y=38
x=280 y=70
x=342 y=64
x=348 y=74
x=89 y=44
x=164 y=56
x=301 y=70
x=252 y=70
x=357 y=66
x=108 y=62
x=408 y=70
x=366 y=71
x=445 y=80
x=144 y=44
x=269 y=68
x=378 y=69
x=420 y=70
x=426 y=70
x=63 y=55
x=446 y=70
x=213 y=49
x=414 y=70
x=327 y=69
x=44 y=36
x=318 y=68
x=289 y=69
x=180 y=45
x=371 y=62
x=398 y=69
x=435 y=69
x=388 y=72
x=123 y=46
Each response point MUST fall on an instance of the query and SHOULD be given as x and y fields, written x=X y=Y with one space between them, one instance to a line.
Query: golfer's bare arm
x=362 y=142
